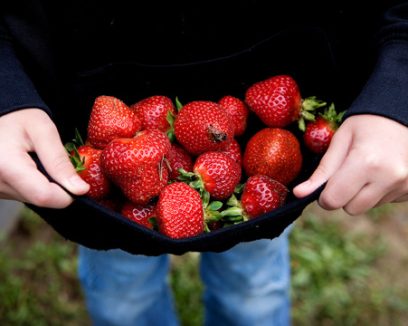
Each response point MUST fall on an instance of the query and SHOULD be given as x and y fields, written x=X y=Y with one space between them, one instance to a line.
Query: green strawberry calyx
x=332 y=116
x=308 y=109
x=73 y=154
x=171 y=117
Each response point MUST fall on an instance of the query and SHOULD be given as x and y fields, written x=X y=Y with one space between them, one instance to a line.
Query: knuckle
x=399 y=174
x=41 y=197
x=329 y=202
x=372 y=162
x=352 y=211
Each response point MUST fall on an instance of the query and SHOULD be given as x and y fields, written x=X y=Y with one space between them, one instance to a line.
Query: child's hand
x=366 y=165
x=31 y=130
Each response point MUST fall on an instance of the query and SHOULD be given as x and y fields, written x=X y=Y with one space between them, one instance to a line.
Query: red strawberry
x=318 y=134
x=215 y=173
x=178 y=158
x=273 y=152
x=139 y=214
x=233 y=151
x=261 y=195
x=203 y=126
x=110 y=119
x=277 y=102
x=238 y=112
x=87 y=161
x=153 y=112
x=180 y=211
x=137 y=166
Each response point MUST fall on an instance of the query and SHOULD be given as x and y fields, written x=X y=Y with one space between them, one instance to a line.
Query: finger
x=401 y=199
x=48 y=146
x=344 y=184
x=24 y=182
x=365 y=199
x=397 y=196
x=330 y=162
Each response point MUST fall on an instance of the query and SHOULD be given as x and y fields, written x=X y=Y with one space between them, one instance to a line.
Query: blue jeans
x=247 y=285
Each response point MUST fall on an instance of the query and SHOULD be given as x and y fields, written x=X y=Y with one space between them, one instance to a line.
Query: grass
x=39 y=285
x=341 y=276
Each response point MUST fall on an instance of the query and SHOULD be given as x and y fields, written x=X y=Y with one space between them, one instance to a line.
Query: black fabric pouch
x=303 y=53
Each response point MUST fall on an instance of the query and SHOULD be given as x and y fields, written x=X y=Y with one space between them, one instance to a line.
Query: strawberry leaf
x=179 y=105
x=78 y=138
x=215 y=206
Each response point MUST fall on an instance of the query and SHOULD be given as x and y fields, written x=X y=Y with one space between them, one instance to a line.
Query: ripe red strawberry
x=139 y=214
x=137 y=165
x=180 y=211
x=238 y=112
x=178 y=158
x=261 y=195
x=318 y=134
x=203 y=126
x=111 y=118
x=153 y=111
x=217 y=173
x=277 y=102
x=87 y=161
x=233 y=151
x=273 y=152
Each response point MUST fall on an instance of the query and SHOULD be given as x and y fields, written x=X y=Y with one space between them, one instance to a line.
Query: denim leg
x=123 y=289
x=248 y=285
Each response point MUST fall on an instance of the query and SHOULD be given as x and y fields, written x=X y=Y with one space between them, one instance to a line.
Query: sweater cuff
x=16 y=89
x=386 y=92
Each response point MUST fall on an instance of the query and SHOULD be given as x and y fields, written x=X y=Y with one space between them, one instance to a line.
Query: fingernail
x=77 y=182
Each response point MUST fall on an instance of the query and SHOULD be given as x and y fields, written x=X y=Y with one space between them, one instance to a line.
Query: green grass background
x=345 y=271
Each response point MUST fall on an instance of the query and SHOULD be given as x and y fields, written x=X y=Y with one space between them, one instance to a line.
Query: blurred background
x=345 y=271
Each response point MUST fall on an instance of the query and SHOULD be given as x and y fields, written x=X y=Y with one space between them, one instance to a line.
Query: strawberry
x=137 y=166
x=238 y=112
x=215 y=173
x=139 y=214
x=318 y=134
x=233 y=151
x=87 y=161
x=153 y=112
x=261 y=194
x=203 y=126
x=277 y=102
x=273 y=152
x=111 y=118
x=178 y=158
x=180 y=211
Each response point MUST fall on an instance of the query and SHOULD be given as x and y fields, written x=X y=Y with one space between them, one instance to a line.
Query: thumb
x=329 y=164
x=51 y=152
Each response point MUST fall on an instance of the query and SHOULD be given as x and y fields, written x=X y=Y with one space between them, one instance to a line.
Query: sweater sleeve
x=16 y=89
x=386 y=91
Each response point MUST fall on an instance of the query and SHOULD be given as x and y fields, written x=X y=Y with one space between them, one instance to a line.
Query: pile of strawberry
x=180 y=170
